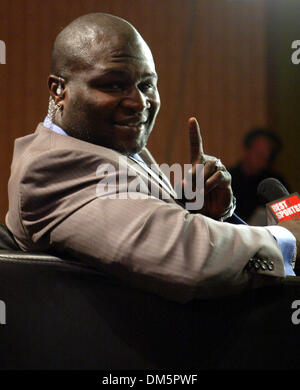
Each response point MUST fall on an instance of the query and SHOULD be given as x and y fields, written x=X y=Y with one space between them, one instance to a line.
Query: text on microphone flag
x=286 y=209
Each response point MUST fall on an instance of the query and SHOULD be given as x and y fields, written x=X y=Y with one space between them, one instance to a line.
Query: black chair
x=60 y=314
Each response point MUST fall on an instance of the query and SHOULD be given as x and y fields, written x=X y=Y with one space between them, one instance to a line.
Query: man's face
x=114 y=101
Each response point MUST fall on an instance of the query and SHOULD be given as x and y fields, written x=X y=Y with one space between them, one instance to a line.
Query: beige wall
x=210 y=57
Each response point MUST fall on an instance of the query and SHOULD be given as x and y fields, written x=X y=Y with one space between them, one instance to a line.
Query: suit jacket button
x=257 y=264
x=271 y=265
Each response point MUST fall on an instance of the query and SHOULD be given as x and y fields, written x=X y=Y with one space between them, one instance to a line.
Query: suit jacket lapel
x=149 y=160
x=155 y=173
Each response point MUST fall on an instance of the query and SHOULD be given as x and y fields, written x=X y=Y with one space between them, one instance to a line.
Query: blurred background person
x=261 y=147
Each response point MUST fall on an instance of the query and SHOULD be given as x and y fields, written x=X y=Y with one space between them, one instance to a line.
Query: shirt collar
x=52 y=126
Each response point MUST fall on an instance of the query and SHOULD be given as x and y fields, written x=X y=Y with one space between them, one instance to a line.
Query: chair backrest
x=7 y=240
x=60 y=314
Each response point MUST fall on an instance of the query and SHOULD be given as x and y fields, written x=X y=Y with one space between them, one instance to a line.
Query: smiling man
x=103 y=105
x=111 y=97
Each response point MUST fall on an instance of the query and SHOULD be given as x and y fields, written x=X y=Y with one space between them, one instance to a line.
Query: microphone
x=280 y=205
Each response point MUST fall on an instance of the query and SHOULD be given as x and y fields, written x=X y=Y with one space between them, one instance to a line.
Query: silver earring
x=52 y=109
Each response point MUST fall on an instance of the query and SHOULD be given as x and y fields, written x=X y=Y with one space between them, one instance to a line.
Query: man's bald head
x=103 y=83
x=74 y=46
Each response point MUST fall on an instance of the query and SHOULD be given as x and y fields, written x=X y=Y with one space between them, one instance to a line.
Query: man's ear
x=56 y=87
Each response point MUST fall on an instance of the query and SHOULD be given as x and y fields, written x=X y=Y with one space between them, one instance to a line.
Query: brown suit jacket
x=153 y=243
